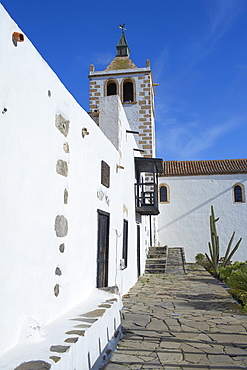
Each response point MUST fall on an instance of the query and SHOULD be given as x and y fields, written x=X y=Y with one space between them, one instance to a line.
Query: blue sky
x=198 y=55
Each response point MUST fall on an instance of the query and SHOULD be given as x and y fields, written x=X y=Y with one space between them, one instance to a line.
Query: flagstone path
x=184 y=322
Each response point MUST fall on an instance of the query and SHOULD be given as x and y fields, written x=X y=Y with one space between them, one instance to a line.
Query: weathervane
x=121 y=26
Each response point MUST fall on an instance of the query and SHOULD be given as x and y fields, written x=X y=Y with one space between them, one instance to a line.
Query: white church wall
x=47 y=269
x=184 y=221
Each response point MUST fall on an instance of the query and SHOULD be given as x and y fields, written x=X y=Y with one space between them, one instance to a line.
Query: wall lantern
x=19 y=37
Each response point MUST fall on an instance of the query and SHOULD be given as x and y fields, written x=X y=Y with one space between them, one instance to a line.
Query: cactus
x=214 y=247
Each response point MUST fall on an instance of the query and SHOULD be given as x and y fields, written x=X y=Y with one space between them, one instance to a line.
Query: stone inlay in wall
x=85 y=320
x=62 y=125
x=59 y=349
x=62 y=247
x=61 y=226
x=55 y=358
x=66 y=147
x=34 y=365
x=58 y=271
x=104 y=305
x=65 y=197
x=62 y=167
x=56 y=290
x=112 y=300
x=95 y=313
x=82 y=326
x=76 y=332
x=71 y=340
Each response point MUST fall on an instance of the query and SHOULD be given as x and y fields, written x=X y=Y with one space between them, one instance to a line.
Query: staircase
x=175 y=261
x=156 y=260
x=164 y=260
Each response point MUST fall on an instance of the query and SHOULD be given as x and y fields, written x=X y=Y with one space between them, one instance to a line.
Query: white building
x=73 y=238
x=79 y=201
x=187 y=189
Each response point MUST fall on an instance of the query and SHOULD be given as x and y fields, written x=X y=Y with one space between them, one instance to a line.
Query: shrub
x=225 y=272
x=239 y=295
x=200 y=258
x=238 y=278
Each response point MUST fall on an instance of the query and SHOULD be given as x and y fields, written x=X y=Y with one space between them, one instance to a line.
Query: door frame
x=138 y=249
x=102 y=282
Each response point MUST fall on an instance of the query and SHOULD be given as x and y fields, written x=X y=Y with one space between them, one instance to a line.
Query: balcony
x=146 y=191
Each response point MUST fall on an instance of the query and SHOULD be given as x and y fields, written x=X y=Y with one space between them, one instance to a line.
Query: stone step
x=150 y=271
x=156 y=252
x=175 y=261
x=155 y=268
x=156 y=260
x=158 y=249
x=156 y=255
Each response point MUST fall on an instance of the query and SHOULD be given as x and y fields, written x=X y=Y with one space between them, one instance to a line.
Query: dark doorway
x=125 y=243
x=103 y=249
x=138 y=251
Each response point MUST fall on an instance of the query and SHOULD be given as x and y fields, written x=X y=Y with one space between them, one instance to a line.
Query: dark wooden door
x=103 y=249
x=138 y=251
x=125 y=243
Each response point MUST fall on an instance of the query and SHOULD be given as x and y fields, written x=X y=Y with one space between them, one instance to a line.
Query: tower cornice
x=120 y=72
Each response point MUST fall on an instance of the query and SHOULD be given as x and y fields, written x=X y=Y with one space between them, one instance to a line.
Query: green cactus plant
x=214 y=247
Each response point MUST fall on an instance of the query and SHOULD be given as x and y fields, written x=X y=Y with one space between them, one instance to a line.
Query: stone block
x=71 y=340
x=55 y=358
x=59 y=349
x=62 y=168
x=76 y=332
x=34 y=365
x=95 y=313
x=65 y=197
x=61 y=226
x=62 y=248
x=56 y=290
x=62 y=124
x=66 y=147
x=58 y=271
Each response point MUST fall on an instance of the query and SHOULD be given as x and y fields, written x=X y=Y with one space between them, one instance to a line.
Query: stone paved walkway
x=181 y=322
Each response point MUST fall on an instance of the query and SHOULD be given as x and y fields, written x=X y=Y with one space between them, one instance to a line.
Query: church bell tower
x=136 y=91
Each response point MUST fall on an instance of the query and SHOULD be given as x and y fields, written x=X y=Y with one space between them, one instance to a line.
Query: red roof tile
x=210 y=167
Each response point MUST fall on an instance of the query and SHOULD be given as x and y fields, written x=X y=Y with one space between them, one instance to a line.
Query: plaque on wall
x=105 y=174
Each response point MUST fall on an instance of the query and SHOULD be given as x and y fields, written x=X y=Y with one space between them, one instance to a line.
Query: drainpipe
x=150 y=229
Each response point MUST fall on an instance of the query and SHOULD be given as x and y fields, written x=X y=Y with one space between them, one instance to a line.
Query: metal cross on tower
x=121 y=26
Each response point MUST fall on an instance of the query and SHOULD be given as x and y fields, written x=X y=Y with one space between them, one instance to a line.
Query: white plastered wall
x=32 y=193
x=184 y=221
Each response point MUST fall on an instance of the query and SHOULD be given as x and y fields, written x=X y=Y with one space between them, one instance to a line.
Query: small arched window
x=111 y=89
x=164 y=194
x=238 y=193
x=128 y=92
